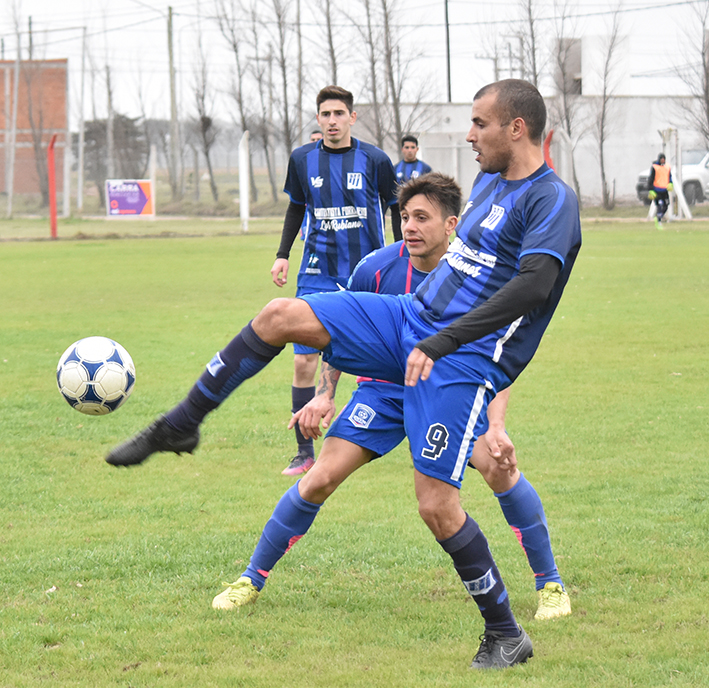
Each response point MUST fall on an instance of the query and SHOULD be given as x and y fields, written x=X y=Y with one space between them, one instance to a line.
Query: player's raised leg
x=281 y=321
x=293 y=516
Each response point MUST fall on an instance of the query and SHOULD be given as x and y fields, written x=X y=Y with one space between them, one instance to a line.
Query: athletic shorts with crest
x=372 y=335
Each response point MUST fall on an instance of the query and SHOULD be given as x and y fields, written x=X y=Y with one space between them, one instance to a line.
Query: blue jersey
x=387 y=271
x=410 y=170
x=346 y=195
x=502 y=222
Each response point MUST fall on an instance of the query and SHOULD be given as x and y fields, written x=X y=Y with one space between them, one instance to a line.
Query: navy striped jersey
x=387 y=271
x=346 y=196
x=502 y=222
x=410 y=170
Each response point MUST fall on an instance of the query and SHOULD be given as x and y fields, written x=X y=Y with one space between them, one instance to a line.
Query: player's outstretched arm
x=321 y=407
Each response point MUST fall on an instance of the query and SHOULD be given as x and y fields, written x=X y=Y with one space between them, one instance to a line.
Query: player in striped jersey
x=339 y=190
x=469 y=330
x=372 y=422
x=409 y=167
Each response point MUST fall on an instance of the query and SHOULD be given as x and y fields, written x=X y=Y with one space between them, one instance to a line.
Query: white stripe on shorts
x=469 y=430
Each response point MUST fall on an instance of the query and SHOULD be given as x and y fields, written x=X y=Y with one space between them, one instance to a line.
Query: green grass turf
x=108 y=575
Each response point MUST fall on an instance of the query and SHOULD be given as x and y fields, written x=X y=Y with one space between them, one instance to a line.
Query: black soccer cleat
x=158 y=437
x=498 y=651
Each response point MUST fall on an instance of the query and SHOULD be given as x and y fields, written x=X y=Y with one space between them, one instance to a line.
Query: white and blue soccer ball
x=95 y=375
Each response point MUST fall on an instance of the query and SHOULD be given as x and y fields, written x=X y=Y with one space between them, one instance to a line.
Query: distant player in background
x=409 y=167
x=315 y=136
x=372 y=423
x=339 y=190
x=660 y=184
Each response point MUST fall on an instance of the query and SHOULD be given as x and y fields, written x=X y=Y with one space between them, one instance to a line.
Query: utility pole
x=110 y=166
x=80 y=180
x=448 y=53
x=13 y=131
x=29 y=27
x=300 y=74
x=174 y=125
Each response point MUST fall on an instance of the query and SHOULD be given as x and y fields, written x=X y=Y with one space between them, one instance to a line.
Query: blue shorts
x=372 y=335
x=301 y=348
x=373 y=417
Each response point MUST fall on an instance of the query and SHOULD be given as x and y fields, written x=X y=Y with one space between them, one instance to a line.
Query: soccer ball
x=95 y=375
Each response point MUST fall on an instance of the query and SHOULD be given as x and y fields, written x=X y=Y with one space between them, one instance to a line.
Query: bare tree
x=610 y=64
x=325 y=8
x=34 y=81
x=280 y=11
x=260 y=67
x=529 y=41
x=371 y=40
x=205 y=126
x=695 y=73
x=565 y=106
x=231 y=18
x=394 y=80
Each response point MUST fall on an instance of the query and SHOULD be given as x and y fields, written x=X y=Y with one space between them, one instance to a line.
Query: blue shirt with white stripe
x=410 y=170
x=502 y=222
x=346 y=195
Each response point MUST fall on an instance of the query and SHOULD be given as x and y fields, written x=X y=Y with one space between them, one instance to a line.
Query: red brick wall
x=42 y=84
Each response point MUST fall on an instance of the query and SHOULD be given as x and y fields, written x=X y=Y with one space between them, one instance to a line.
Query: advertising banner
x=129 y=197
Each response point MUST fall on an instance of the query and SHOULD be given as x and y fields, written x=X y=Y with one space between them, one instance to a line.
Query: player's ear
x=451 y=223
x=353 y=117
x=518 y=127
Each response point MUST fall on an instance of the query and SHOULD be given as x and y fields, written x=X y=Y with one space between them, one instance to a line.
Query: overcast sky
x=130 y=36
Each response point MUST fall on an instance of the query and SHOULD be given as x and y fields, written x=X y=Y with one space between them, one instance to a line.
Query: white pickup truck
x=695 y=178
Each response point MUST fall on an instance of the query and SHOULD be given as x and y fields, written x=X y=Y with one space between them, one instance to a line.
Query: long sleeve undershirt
x=528 y=290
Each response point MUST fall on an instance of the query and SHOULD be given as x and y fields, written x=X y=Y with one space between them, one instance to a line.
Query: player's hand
x=500 y=447
x=652 y=195
x=319 y=408
x=418 y=367
x=670 y=187
x=279 y=272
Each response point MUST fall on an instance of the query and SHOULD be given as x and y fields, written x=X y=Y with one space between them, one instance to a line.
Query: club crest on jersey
x=313 y=265
x=482 y=585
x=354 y=180
x=493 y=219
x=316 y=182
x=362 y=415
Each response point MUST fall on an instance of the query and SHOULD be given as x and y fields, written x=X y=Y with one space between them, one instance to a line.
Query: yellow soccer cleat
x=238 y=594
x=553 y=602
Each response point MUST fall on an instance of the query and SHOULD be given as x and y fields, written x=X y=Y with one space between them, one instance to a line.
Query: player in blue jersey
x=339 y=190
x=467 y=332
x=372 y=422
x=409 y=167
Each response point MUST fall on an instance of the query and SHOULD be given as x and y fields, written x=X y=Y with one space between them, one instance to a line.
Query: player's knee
x=317 y=485
x=275 y=317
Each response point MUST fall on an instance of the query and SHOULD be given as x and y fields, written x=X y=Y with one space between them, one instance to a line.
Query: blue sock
x=242 y=358
x=300 y=397
x=476 y=568
x=524 y=512
x=289 y=522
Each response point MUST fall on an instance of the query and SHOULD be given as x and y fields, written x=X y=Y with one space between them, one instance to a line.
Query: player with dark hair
x=659 y=183
x=372 y=423
x=339 y=191
x=467 y=332
x=315 y=135
x=409 y=167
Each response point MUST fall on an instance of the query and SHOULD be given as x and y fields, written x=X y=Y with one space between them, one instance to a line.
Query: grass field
x=108 y=575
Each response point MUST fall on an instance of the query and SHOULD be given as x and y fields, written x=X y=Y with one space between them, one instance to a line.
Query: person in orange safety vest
x=659 y=184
